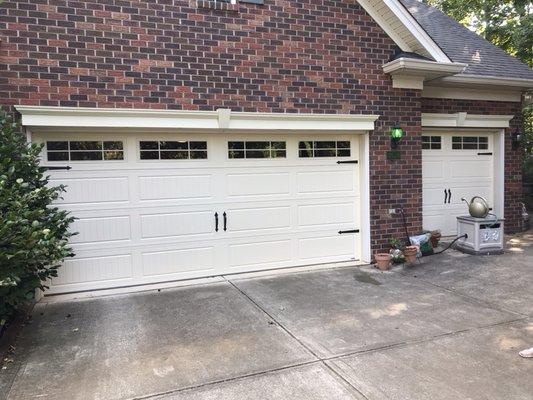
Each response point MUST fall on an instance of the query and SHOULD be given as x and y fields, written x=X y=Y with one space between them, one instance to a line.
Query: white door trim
x=498 y=150
x=465 y=120
x=222 y=120
x=495 y=124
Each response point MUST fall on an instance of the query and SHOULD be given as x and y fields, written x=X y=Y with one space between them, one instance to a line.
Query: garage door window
x=255 y=149
x=84 y=150
x=173 y=150
x=431 y=142
x=470 y=143
x=310 y=149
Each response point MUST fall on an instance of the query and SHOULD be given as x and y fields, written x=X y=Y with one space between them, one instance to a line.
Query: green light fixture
x=396 y=134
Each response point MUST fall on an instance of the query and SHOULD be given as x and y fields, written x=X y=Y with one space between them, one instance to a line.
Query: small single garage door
x=455 y=165
x=157 y=208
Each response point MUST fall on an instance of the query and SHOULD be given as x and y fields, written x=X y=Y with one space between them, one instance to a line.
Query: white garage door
x=454 y=166
x=156 y=208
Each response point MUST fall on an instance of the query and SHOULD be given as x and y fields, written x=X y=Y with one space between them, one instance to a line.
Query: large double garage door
x=158 y=208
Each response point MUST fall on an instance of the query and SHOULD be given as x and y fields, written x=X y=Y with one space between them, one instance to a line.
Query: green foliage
x=33 y=234
x=509 y=25
x=506 y=23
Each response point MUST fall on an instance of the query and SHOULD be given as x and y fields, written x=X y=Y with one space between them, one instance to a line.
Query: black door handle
x=449 y=196
x=225 y=221
x=216 y=222
x=445 y=197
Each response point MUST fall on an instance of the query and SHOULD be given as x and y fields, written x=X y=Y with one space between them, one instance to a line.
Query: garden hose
x=465 y=236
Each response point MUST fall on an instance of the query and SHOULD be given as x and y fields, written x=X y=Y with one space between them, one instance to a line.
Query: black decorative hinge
x=346 y=232
x=348 y=162
x=58 y=168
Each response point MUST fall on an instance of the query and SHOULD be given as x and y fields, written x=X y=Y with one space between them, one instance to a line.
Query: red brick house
x=206 y=138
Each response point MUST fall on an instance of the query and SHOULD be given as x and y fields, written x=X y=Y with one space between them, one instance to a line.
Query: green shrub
x=33 y=233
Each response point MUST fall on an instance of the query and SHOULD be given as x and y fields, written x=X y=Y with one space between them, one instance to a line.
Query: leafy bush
x=33 y=234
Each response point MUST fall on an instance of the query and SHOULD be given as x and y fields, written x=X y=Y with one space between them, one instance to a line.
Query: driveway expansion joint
x=473 y=300
x=285 y=329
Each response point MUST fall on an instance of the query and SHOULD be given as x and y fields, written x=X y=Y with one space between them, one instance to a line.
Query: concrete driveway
x=449 y=328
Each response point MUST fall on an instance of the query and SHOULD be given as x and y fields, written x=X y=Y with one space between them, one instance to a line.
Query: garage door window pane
x=309 y=149
x=198 y=155
x=113 y=146
x=174 y=155
x=113 y=155
x=86 y=156
x=85 y=145
x=173 y=150
x=198 y=145
x=257 y=149
x=84 y=150
x=57 y=146
x=58 y=156
x=149 y=146
x=431 y=142
x=149 y=155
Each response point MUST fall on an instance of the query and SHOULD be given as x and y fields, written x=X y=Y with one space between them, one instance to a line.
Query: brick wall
x=513 y=158
x=309 y=56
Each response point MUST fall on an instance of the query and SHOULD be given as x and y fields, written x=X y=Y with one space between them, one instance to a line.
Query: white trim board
x=465 y=120
x=466 y=80
x=438 y=92
x=220 y=120
x=408 y=73
x=402 y=28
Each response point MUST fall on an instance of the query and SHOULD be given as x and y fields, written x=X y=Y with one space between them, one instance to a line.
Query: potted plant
x=382 y=261
x=435 y=238
x=396 y=252
x=410 y=253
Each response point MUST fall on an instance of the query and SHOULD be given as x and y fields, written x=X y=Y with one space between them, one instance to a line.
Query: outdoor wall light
x=516 y=139
x=396 y=134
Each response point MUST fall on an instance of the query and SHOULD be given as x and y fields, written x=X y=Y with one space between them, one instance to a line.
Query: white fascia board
x=465 y=120
x=368 y=5
x=220 y=120
x=472 y=80
x=426 y=68
x=470 y=93
x=417 y=31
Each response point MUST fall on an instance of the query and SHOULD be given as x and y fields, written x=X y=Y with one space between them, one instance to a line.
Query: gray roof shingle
x=464 y=46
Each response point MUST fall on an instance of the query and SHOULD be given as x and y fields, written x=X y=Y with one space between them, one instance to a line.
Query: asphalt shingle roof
x=464 y=46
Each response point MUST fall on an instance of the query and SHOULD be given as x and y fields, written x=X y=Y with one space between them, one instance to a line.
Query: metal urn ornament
x=478 y=207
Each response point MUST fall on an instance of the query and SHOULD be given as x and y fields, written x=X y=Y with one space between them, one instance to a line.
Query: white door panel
x=463 y=172
x=148 y=221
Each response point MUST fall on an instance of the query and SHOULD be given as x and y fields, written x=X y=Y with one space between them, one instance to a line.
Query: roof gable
x=464 y=46
x=403 y=28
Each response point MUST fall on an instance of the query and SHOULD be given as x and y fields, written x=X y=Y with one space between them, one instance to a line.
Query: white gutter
x=465 y=79
x=410 y=73
x=426 y=68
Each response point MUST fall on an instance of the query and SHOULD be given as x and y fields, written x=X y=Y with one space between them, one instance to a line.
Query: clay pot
x=382 y=261
x=435 y=239
x=410 y=253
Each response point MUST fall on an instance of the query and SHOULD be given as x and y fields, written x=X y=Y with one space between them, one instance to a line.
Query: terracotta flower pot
x=382 y=261
x=435 y=239
x=410 y=253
